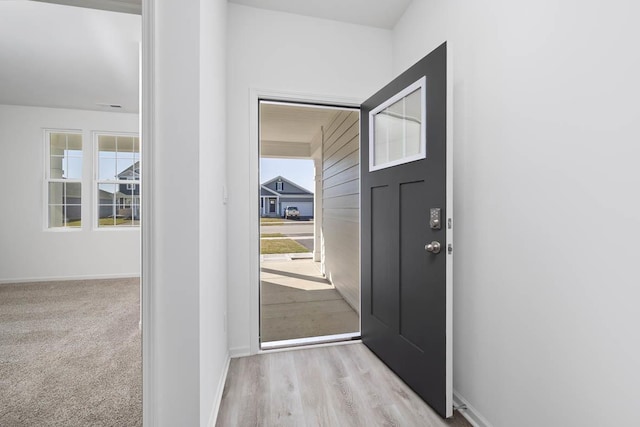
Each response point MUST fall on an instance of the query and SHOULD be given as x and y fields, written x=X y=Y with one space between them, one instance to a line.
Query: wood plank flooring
x=341 y=385
x=298 y=302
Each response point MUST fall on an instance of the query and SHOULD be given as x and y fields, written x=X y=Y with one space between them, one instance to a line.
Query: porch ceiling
x=286 y=130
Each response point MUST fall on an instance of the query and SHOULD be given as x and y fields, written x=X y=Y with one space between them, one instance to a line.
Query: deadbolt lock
x=433 y=247
x=434 y=219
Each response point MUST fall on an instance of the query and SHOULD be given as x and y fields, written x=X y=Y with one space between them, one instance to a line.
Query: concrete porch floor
x=298 y=302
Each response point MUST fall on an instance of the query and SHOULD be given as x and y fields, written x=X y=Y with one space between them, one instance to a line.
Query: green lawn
x=281 y=246
x=106 y=222
x=272 y=235
x=271 y=221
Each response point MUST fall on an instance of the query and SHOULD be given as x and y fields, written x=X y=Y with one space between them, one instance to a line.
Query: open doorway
x=309 y=224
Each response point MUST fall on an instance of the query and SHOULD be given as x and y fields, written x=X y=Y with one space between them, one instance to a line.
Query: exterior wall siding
x=341 y=205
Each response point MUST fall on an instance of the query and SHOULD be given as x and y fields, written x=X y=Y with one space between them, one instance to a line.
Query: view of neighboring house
x=125 y=202
x=71 y=199
x=279 y=193
x=128 y=196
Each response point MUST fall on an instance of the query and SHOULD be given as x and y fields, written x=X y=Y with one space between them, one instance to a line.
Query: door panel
x=381 y=275
x=412 y=266
x=405 y=317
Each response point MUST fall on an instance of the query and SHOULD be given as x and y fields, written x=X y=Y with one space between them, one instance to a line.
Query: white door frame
x=147 y=115
x=254 y=218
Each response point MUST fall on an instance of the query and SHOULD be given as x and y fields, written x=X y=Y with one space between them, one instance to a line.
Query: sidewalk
x=299 y=302
x=302 y=236
x=285 y=257
x=288 y=222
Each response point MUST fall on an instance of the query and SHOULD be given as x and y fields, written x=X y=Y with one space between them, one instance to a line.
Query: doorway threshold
x=299 y=342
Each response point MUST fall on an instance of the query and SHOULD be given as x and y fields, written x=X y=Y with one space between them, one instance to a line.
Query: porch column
x=317 y=211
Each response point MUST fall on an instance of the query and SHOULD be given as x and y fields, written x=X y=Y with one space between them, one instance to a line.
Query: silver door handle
x=433 y=247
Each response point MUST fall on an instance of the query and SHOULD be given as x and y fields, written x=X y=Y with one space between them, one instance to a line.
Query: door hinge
x=449 y=248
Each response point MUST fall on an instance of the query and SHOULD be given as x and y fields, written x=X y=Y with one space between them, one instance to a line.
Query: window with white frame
x=118 y=180
x=397 y=128
x=64 y=179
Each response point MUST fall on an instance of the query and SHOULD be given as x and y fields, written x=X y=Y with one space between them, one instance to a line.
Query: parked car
x=291 y=212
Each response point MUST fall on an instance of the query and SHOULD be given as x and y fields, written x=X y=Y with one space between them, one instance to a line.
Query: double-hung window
x=64 y=179
x=118 y=180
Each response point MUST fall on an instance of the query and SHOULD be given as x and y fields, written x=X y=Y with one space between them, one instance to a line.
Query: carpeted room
x=69 y=236
x=70 y=353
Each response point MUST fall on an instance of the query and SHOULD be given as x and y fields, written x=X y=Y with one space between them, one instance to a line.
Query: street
x=298 y=230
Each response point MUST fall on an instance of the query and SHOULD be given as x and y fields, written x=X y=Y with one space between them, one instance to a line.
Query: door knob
x=433 y=247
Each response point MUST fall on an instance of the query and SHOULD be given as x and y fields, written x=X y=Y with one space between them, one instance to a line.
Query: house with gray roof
x=279 y=193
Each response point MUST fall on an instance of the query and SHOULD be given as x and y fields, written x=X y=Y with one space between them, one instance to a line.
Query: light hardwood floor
x=341 y=385
x=298 y=302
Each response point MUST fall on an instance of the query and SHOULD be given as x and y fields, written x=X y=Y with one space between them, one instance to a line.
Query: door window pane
x=397 y=132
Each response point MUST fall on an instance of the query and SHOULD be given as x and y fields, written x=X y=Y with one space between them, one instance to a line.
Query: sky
x=298 y=171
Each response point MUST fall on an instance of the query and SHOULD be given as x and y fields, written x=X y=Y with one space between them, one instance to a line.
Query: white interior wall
x=213 y=214
x=29 y=250
x=187 y=247
x=290 y=53
x=546 y=177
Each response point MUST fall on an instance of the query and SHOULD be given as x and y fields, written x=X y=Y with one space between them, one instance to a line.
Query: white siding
x=341 y=205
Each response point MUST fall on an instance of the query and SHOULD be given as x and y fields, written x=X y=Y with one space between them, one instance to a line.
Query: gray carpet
x=70 y=354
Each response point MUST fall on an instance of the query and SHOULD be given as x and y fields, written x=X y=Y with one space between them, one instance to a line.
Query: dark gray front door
x=406 y=298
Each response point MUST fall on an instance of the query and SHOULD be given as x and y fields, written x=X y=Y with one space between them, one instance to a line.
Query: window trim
x=95 y=212
x=420 y=84
x=47 y=132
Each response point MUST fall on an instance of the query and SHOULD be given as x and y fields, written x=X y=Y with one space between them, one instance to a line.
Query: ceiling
x=57 y=55
x=292 y=123
x=124 y=6
x=374 y=13
x=68 y=57
x=288 y=130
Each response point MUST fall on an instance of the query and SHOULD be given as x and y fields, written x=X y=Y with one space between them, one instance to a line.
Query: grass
x=106 y=222
x=271 y=221
x=281 y=246
x=76 y=223
x=272 y=235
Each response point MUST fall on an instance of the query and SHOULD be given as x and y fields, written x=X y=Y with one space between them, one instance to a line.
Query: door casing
x=254 y=194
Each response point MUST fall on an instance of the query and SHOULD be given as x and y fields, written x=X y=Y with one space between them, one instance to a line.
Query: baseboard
x=62 y=278
x=239 y=352
x=218 y=400
x=470 y=413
